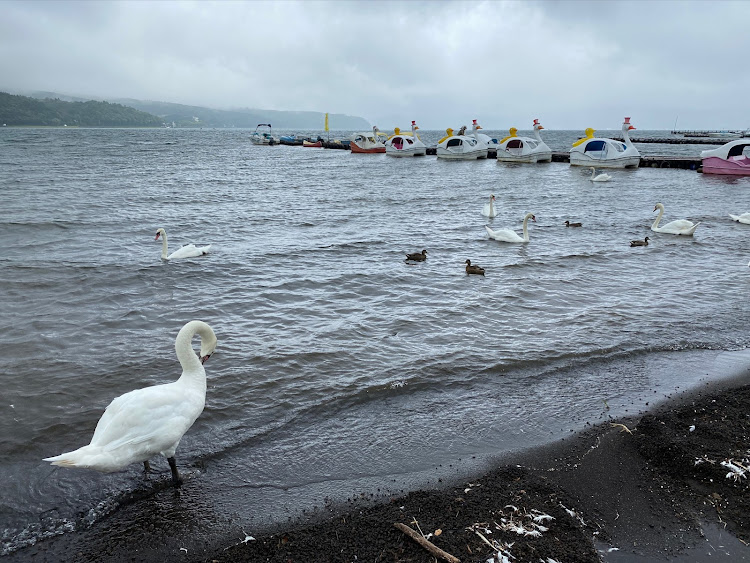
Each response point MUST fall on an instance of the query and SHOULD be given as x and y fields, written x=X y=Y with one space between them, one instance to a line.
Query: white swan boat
x=730 y=159
x=368 y=142
x=605 y=153
x=462 y=147
x=405 y=144
x=524 y=149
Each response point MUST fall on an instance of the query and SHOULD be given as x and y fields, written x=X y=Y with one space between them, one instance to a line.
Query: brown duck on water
x=643 y=242
x=417 y=256
x=473 y=269
x=569 y=224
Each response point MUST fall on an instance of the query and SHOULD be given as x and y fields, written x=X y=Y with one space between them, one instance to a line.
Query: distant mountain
x=23 y=110
x=197 y=116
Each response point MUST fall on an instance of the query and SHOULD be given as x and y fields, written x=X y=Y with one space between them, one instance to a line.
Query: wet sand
x=622 y=491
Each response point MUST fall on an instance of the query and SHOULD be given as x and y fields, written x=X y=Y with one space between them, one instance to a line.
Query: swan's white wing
x=503 y=235
x=153 y=417
x=189 y=251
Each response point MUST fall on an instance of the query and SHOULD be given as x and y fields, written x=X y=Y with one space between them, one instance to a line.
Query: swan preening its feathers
x=140 y=424
x=507 y=235
x=489 y=209
x=679 y=227
x=187 y=251
x=603 y=177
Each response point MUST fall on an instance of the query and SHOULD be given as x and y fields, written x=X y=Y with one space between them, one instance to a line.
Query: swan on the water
x=187 y=251
x=603 y=177
x=678 y=227
x=140 y=424
x=489 y=209
x=508 y=235
x=744 y=218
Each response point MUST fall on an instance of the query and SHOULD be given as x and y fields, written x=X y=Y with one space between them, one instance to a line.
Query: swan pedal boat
x=263 y=137
x=728 y=159
x=605 y=153
x=524 y=149
x=368 y=143
x=405 y=144
x=462 y=147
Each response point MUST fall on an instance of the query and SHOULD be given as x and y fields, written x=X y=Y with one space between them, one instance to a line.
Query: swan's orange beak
x=631 y=128
x=541 y=127
x=533 y=218
x=655 y=208
x=204 y=358
x=156 y=237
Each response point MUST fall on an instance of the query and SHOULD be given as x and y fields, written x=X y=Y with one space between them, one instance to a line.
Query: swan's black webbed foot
x=176 y=479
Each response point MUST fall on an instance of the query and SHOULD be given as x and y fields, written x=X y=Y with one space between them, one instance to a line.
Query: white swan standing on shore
x=508 y=235
x=744 y=218
x=489 y=209
x=603 y=177
x=187 y=251
x=679 y=227
x=140 y=424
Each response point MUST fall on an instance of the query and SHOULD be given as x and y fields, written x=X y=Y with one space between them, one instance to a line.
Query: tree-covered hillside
x=21 y=110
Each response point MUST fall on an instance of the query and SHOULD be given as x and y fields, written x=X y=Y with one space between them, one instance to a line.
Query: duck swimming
x=473 y=269
x=417 y=256
x=643 y=242
x=569 y=224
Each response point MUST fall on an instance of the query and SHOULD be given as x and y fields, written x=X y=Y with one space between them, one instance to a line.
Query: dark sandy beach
x=652 y=486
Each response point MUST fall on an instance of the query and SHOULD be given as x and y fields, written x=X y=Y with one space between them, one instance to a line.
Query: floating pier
x=682 y=162
x=671 y=141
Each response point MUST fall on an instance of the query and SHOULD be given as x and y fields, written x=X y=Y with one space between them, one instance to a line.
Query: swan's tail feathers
x=63 y=460
x=734 y=217
x=694 y=227
x=490 y=231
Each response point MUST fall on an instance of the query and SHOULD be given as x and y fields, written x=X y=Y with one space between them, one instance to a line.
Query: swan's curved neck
x=164 y=245
x=492 y=207
x=192 y=368
x=526 y=228
x=537 y=136
x=658 y=218
x=593 y=172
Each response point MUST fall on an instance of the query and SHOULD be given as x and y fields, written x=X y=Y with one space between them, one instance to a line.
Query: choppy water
x=340 y=367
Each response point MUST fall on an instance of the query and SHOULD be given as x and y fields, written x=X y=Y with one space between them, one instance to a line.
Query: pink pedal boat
x=727 y=159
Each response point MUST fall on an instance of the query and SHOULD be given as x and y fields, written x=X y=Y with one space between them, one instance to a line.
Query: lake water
x=340 y=368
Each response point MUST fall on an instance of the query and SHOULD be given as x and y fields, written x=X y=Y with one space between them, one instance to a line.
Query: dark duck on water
x=473 y=269
x=417 y=256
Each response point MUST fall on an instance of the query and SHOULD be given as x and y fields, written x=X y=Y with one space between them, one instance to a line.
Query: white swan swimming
x=679 y=227
x=140 y=424
x=489 y=209
x=603 y=177
x=187 y=251
x=508 y=235
x=744 y=218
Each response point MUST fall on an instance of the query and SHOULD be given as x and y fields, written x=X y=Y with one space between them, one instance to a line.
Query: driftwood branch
x=429 y=546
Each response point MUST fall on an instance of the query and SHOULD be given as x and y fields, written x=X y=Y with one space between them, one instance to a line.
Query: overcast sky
x=572 y=64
